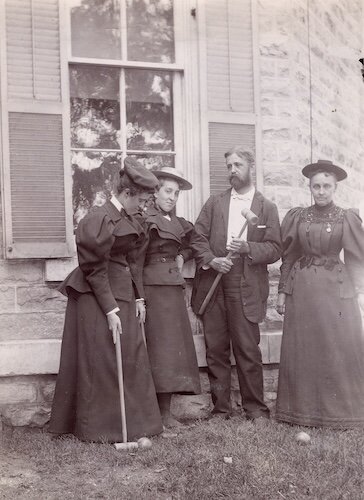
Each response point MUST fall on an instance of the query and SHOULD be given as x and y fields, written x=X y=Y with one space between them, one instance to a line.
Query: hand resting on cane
x=140 y=310
x=114 y=323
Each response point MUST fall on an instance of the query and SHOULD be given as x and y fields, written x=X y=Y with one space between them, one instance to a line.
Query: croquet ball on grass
x=144 y=443
x=303 y=437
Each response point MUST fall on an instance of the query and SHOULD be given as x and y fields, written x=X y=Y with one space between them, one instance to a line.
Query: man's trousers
x=223 y=322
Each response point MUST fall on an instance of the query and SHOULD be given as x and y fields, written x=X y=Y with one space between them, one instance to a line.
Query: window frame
x=181 y=106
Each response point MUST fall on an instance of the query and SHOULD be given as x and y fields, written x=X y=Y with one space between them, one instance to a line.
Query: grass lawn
x=267 y=463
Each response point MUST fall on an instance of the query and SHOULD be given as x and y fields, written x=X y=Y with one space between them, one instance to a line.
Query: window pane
x=149 y=110
x=95 y=28
x=95 y=108
x=150 y=30
x=155 y=162
x=93 y=178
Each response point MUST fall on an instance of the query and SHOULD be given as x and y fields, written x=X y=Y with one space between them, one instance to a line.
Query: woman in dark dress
x=321 y=377
x=168 y=331
x=101 y=304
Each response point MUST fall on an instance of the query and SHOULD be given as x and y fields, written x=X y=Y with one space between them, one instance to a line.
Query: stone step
x=41 y=356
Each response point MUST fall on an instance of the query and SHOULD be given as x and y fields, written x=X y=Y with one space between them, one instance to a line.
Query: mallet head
x=126 y=446
x=249 y=216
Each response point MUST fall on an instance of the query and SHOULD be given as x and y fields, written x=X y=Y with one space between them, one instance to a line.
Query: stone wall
x=312 y=95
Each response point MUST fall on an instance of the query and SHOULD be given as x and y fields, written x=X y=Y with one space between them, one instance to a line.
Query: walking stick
x=124 y=445
x=143 y=332
x=252 y=219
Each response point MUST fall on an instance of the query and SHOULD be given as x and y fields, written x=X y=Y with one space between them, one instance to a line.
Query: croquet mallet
x=250 y=218
x=124 y=445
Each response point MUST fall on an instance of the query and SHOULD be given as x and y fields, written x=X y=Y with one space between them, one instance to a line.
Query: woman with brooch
x=321 y=377
x=105 y=299
x=168 y=331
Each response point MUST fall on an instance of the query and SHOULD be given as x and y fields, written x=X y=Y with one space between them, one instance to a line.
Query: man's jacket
x=209 y=241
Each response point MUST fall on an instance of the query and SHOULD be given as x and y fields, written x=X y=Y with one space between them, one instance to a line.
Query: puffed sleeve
x=353 y=245
x=186 y=250
x=94 y=239
x=290 y=242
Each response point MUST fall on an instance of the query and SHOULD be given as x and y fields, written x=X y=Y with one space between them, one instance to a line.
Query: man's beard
x=239 y=183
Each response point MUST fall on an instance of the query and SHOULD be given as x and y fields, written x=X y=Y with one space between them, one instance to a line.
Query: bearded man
x=239 y=302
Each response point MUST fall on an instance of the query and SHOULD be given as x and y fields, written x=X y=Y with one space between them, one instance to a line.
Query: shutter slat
x=222 y=136
x=35 y=75
x=36 y=199
x=229 y=56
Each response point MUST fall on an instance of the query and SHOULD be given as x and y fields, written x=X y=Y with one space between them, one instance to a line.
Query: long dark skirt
x=321 y=377
x=170 y=344
x=86 y=401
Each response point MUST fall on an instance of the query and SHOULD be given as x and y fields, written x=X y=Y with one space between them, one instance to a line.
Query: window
x=122 y=77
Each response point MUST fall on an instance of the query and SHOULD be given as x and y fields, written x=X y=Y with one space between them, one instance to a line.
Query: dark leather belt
x=165 y=258
x=327 y=262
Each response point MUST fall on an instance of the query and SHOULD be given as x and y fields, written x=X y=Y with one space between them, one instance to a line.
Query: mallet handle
x=218 y=278
x=119 y=363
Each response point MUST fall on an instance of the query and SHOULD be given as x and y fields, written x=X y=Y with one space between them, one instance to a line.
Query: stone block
x=277 y=175
x=284 y=198
x=20 y=271
x=276 y=134
x=273 y=44
x=47 y=390
x=270 y=376
x=15 y=326
x=26 y=415
x=29 y=357
x=7 y=298
x=283 y=68
x=12 y=391
x=59 y=269
x=274 y=342
x=275 y=87
x=269 y=154
x=267 y=107
x=40 y=298
x=274 y=271
x=270 y=396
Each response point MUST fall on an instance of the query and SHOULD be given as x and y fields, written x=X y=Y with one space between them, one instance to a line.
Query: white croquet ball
x=303 y=438
x=144 y=443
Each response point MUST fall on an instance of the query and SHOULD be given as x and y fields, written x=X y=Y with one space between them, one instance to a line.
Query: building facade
x=85 y=83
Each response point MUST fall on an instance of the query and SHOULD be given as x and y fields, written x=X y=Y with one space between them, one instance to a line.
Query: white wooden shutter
x=37 y=222
x=33 y=55
x=231 y=112
x=229 y=55
x=221 y=137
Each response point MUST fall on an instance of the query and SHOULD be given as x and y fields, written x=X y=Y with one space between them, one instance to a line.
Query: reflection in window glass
x=95 y=108
x=155 y=162
x=93 y=178
x=150 y=30
x=95 y=28
x=149 y=110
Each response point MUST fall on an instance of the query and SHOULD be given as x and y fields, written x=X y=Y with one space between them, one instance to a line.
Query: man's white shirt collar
x=246 y=196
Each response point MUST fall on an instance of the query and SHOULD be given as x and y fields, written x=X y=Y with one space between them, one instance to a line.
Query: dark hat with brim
x=139 y=174
x=324 y=166
x=176 y=175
